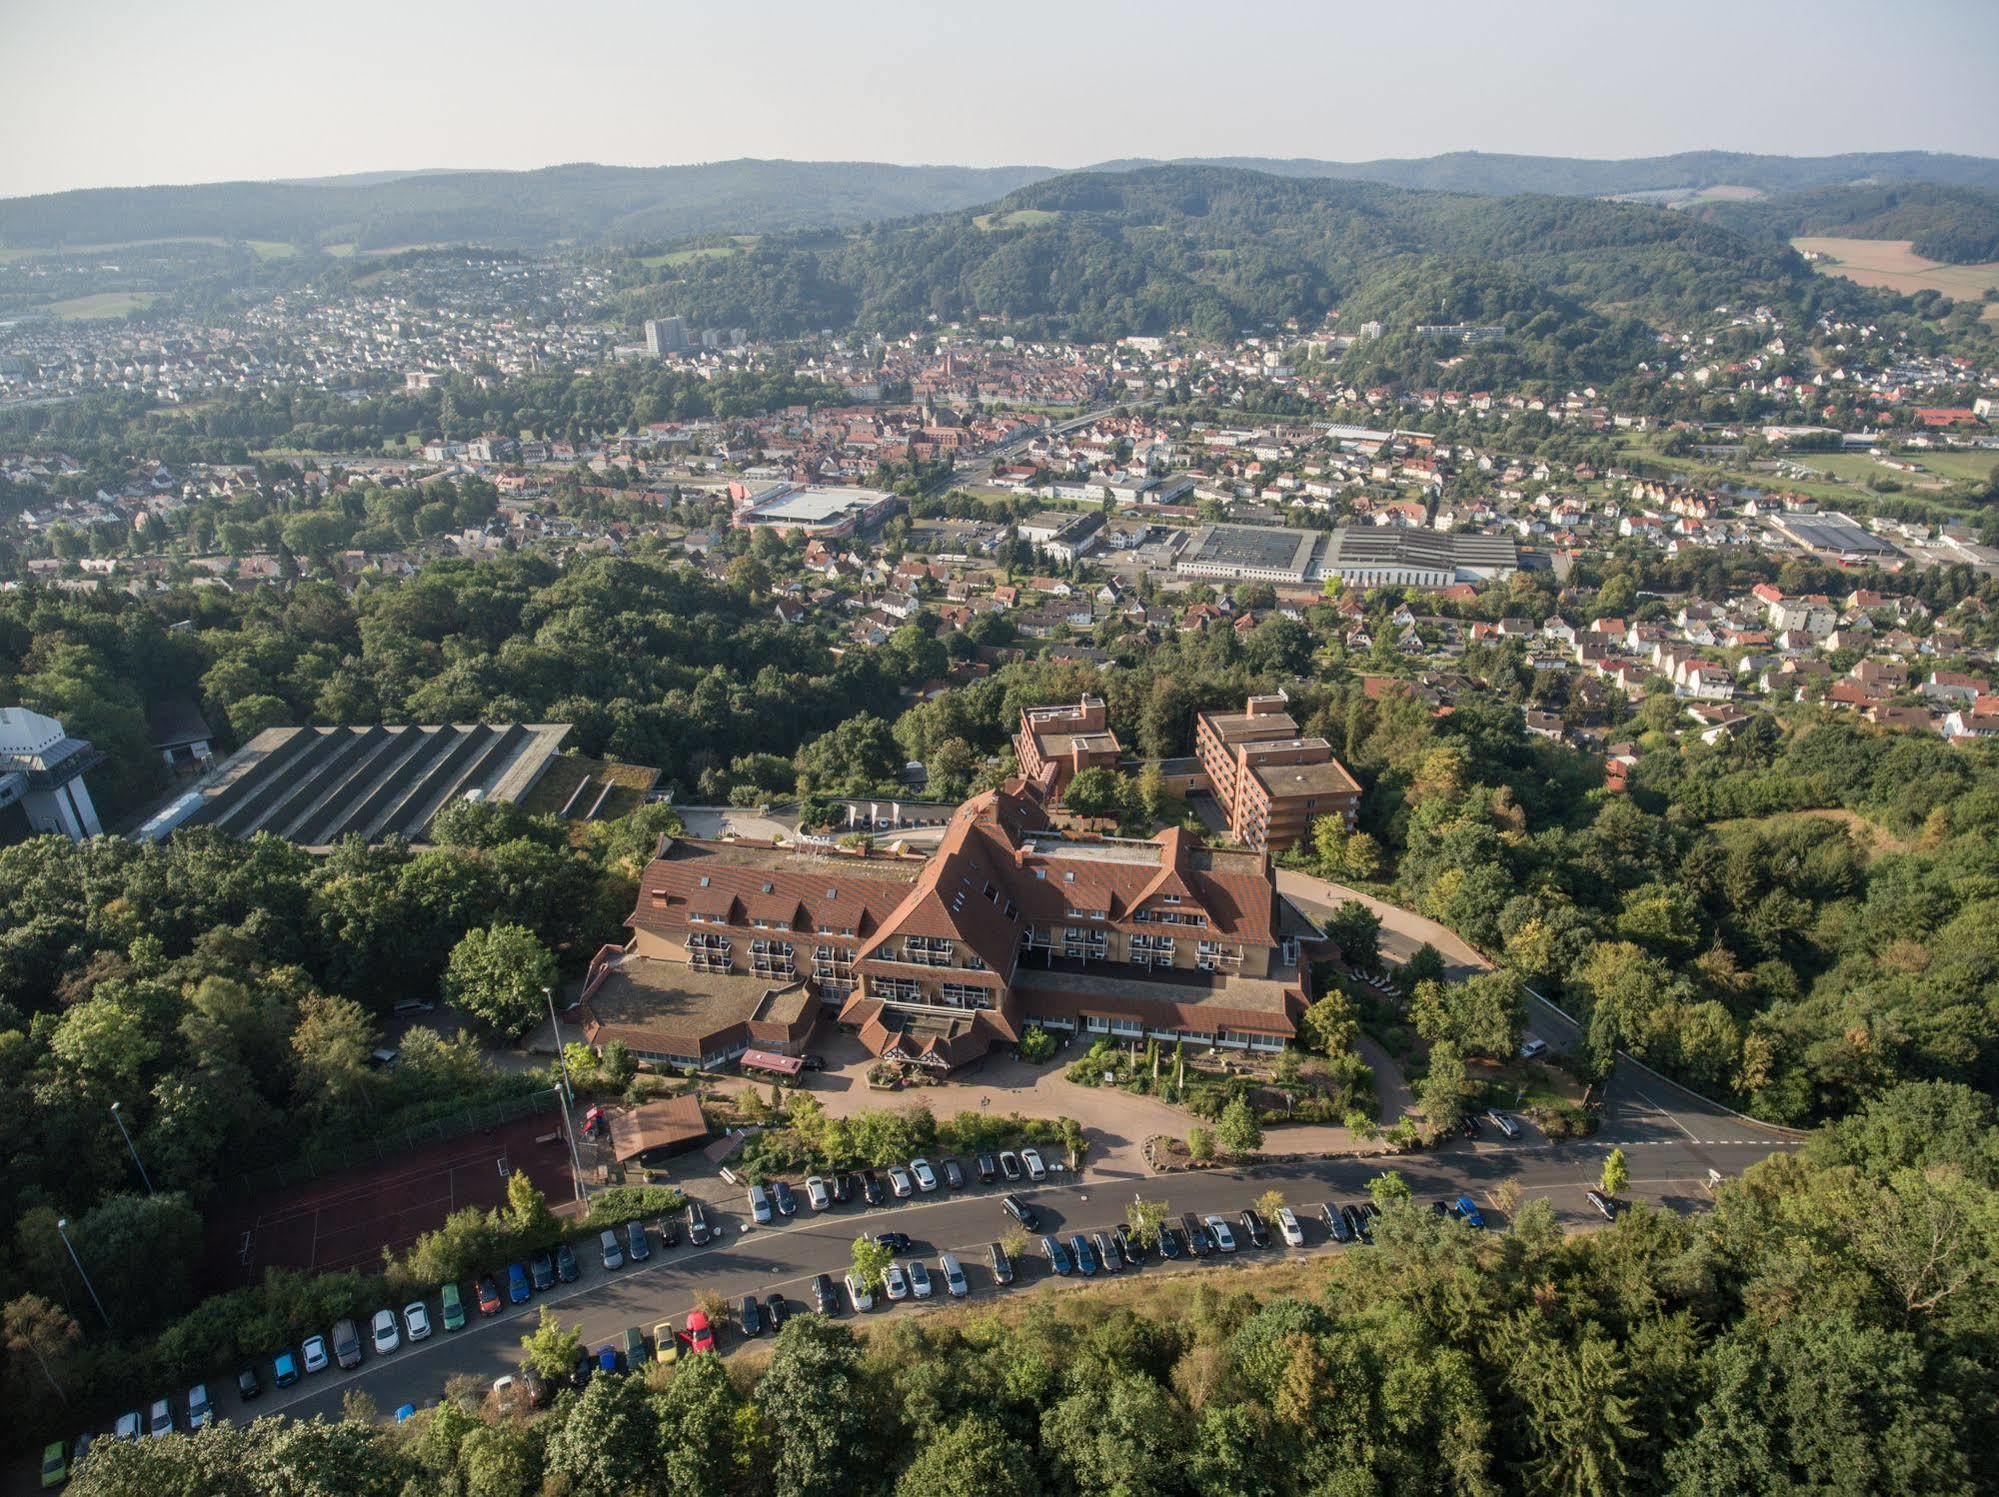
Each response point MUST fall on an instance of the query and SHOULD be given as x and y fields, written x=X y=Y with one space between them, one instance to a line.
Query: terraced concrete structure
x=316 y=786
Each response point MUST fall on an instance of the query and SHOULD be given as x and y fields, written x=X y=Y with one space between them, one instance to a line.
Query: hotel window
x=965 y=995
x=896 y=990
x=771 y=959
x=1096 y=1025
x=928 y=951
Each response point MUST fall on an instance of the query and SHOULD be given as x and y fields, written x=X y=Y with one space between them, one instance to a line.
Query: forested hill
x=1478 y=171
x=613 y=204
x=1955 y=224
x=1215 y=250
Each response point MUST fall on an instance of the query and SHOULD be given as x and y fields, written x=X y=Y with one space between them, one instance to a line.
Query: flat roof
x=1233 y=727
x=817 y=505
x=644 y=993
x=1261 y=547
x=1329 y=778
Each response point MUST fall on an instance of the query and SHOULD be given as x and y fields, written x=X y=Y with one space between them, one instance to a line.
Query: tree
x=1356 y=930
x=1616 y=1173
x=1270 y=1203
x=1444 y=1090
x=1145 y=1218
x=703 y=1433
x=551 y=1347
x=609 y=1442
x=975 y=1457
x=527 y=1211
x=497 y=975
x=1237 y=1130
x=1200 y=1144
x=1097 y=792
x=814 y=1396
x=1330 y=1025
x=871 y=1262
x=1425 y=964
x=41 y=1336
x=1389 y=1188
x=1118 y=1432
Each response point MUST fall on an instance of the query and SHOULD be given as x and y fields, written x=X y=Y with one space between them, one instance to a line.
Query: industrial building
x=1250 y=553
x=822 y=513
x=318 y=786
x=1393 y=556
x=41 y=779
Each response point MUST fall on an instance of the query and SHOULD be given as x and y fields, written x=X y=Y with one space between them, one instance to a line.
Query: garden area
x=799 y=1137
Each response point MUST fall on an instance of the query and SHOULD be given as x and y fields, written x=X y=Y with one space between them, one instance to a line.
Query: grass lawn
x=689 y=256
x=101 y=304
x=565 y=772
x=272 y=249
x=1020 y=218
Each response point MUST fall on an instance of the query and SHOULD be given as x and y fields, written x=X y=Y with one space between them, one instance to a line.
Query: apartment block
x=1271 y=781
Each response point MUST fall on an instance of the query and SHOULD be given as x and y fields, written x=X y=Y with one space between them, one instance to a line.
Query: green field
x=101 y=304
x=271 y=249
x=688 y=256
x=1020 y=218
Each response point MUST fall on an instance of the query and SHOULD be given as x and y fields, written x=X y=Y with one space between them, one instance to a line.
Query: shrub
x=623 y=1203
x=1037 y=1046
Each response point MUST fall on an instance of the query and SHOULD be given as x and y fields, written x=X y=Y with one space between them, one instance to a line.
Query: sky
x=97 y=93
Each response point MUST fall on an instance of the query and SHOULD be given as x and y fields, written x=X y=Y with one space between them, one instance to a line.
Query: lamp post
x=118 y=1117
x=563 y=1094
x=62 y=1231
x=555 y=1025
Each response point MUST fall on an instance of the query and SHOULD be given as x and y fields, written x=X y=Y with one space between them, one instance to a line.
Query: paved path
x=1665 y=1170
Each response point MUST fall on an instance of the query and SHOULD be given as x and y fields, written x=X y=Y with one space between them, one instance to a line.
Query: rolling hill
x=1957 y=225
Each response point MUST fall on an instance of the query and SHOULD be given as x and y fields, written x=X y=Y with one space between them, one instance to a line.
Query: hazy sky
x=120 y=92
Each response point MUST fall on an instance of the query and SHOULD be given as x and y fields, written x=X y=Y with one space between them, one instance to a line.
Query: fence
x=389 y=1143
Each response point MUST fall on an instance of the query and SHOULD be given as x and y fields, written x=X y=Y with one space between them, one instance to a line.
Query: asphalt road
x=1666 y=1169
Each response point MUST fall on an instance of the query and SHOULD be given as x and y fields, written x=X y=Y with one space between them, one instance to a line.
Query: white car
x=858 y=1293
x=1030 y=1160
x=954 y=1276
x=129 y=1425
x=1218 y=1229
x=1287 y=1225
x=898 y=1181
x=1533 y=1048
x=816 y=1193
x=503 y=1393
x=416 y=1320
x=895 y=1283
x=926 y=1177
x=314 y=1352
x=161 y=1420
x=386 y=1337
x=919 y=1279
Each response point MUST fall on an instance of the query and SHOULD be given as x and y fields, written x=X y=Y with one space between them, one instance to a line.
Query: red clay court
x=344 y=1220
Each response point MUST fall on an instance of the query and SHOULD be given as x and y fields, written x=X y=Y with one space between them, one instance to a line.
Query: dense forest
x=1101 y=255
x=1828 y=1328
x=1955 y=224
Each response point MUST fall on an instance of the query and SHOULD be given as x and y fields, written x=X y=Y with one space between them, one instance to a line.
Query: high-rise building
x=41 y=778
x=665 y=335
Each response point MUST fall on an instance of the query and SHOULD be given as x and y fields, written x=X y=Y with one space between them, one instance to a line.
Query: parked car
x=249 y=1385
x=895 y=1283
x=347 y=1345
x=566 y=1267
x=925 y=1176
x=385 y=1333
x=1021 y=1212
x=1468 y=1125
x=1254 y=1229
x=953 y=1273
x=313 y=1351
x=1128 y=1244
x=285 y=1369
x=815 y=1192
x=900 y=1183
x=607 y=1360
x=405 y=1412
x=1030 y=1160
x=1009 y=1163
x=1219 y=1230
x=540 y=1391
x=871 y=1188
x=637 y=1353
x=665 y=1342
x=826 y=1295
x=610 y=1249
x=895 y=1242
x=160 y=1421
x=1288 y=1228
x=919 y=1278
x=954 y=1175
x=858 y=1293
x=782 y=1198
x=416 y=1320
x=1058 y=1256
x=200 y=1412
x=452 y=1304
x=1468 y=1213
x=1506 y=1126
x=542 y=1271
x=1001 y=1264
x=842 y=1188
x=1532 y=1048
x=1337 y=1222
x=698 y=1230
x=700 y=1335
x=1606 y=1207
x=776 y=1311
x=759 y=1205
x=988 y=1170
x=489 y=1296
x=55 y=1464
x=1197 y=1235
x=505 y=1393
x=518 y=1285
x=130 y=1426
x=1085 y=1256
x=638 y=1247
x=1107 y=1251
x=1169 y=1242
x=1363 y=1221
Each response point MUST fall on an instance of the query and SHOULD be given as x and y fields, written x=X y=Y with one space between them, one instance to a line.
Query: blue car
x=518 y=1287
x=406 y=1413
x=1086 y=1259
x=1469 y=1214
x=1058 y=1256
x=607 y=1359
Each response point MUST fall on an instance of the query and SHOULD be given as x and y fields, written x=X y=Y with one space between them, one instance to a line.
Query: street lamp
x=555 y=1025
x=62 y=1231
x=575 y=1159
x=563 y=1094
x=118 y=1117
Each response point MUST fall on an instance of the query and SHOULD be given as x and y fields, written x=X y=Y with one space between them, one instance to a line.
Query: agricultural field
x=1020 y=218
x=1894 y=265
x=100 y=304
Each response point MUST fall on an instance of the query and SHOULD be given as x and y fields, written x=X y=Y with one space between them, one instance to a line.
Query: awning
x=770 y=1060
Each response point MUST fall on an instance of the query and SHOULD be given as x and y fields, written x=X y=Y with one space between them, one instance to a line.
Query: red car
x=489 y=1297
x=698 y=1336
